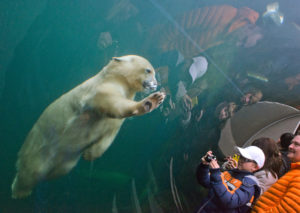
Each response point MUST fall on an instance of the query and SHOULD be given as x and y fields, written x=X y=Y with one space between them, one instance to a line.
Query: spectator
x=232 y=190
x=284 y=196
x=269 y=173
x=284 y=142
x=252 y=96
x=225 y=110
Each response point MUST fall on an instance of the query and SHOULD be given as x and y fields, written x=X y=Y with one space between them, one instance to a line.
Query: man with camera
x=232 y=190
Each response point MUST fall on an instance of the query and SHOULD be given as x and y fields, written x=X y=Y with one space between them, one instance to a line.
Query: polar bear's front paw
x=153 y=101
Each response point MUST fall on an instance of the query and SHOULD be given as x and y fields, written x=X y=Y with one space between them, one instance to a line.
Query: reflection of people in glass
x=182 y=87
x=251 y=96
x=225 y=110
x=233 y=190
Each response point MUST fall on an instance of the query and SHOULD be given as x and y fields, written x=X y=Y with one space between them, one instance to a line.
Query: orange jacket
x=284 y=195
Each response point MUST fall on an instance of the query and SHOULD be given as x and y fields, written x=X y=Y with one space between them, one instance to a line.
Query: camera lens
x=209 y=158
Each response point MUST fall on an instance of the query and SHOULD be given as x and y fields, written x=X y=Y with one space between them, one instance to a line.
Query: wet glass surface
x=213 y=59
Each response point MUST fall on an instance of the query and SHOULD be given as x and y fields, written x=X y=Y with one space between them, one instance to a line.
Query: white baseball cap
x=253 y=153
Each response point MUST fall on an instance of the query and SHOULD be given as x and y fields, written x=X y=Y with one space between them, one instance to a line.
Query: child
x=233 y=190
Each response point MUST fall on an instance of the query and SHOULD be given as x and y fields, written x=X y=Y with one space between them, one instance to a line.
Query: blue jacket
x=225 y=196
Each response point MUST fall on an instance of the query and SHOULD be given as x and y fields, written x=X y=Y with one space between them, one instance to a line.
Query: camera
x=209 y=158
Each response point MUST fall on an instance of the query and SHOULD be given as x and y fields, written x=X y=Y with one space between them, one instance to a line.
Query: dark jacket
x=223 y=196
x=286 y=165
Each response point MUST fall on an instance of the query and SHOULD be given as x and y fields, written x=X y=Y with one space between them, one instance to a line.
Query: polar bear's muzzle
x=151 y=85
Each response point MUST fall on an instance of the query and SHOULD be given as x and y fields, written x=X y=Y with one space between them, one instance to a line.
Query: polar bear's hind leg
x=98 y=148
x=22 y=187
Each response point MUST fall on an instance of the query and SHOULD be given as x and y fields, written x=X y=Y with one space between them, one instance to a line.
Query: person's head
x=251 y=158
x=285 y=140
x=251 y=96
x=272 y=153
x=225 y=110
x=294 y=149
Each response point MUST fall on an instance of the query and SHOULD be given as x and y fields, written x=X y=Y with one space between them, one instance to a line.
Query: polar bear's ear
x=117 y=59
x=123 y=58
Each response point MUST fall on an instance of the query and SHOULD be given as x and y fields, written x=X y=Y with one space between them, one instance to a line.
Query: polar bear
x=84 y=121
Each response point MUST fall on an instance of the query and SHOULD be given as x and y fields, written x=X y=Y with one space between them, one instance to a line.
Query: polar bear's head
x=137 y=71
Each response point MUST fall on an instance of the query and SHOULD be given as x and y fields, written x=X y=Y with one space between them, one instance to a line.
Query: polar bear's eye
x=148 y=71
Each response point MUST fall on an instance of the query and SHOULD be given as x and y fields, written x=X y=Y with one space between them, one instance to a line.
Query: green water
x=49 y=47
